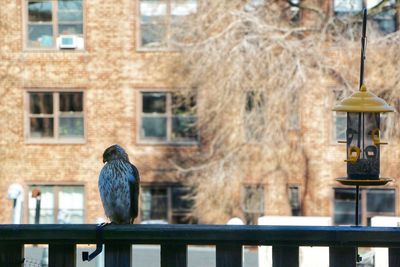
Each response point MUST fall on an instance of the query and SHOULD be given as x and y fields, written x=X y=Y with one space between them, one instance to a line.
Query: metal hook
x=99 y=245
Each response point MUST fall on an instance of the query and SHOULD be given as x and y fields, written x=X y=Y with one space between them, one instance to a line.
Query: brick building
x=77 y=76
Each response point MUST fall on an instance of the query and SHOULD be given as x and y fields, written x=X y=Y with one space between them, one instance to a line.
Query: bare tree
x=250 y=63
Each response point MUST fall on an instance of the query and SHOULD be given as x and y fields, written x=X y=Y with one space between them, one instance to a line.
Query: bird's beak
x=104 y=161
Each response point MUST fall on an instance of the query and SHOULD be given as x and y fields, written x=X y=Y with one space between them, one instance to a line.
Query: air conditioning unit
x=67 y=42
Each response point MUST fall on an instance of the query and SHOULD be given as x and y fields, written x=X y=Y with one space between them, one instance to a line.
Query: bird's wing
x=102 y=183
x=134 y=182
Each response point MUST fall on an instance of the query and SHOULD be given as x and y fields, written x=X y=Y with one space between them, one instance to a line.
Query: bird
x=119 y=184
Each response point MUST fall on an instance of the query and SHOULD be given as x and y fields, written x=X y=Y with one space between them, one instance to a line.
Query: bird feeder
x=363 y=134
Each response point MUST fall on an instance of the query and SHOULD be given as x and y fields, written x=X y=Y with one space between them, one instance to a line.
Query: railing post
x=118 y=255
x=173 y=255
x=229 y=255
x=285 y=256
x=394 y=257
x=342 y=256
x=11 y=255
x=62 y=255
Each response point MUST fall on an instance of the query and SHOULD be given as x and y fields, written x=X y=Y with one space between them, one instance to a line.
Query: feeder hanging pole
x=363 y=45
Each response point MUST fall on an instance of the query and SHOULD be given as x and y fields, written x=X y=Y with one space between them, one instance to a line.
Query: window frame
x=337 y=95
x=295 y=210
x=255 y=112
x=252 y=214
x=171 y=211
x=364 y=214
x=168 y=22
x=56 y=186
x=54 y=23
x=56 y=115
x=169 y=116
x=335 y=115
x=375 y=18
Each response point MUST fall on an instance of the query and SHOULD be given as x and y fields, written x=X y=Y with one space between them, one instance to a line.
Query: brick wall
x=110 y=71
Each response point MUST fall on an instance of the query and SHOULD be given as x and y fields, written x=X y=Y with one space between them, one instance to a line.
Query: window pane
x=181 y=201
x=344 y=206
x=254 y=119
x=154 y=103
x=373 y=3
x=41 y=127
x=71 y=204
x=68 y=5
x=153 y=35
x=180 y=18
x=71 y=102
x=345 y=218
x=45 y=203
x=183 y=7
x=71 y=127
x=347 y=5
x=154 y=204
x=70 y=17
x=40 y=36
x=384 y=126
x=253 y=203
x=253 y=199
x=76 y=29
x=70 y=11
x=152 y=8
x=154 y=127
x=386 y=25
x=181 y=105
x=381 y=200
x=184 y=127
x=40 y=11
x=41 y=103
x=294 y=199
x=340 y=126
x=254 y=127
x=255 y=101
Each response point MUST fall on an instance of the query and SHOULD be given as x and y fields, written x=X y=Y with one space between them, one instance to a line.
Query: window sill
x=55 y=141
x=336 y=143
x=168 y=143
x=53 y=50
x=157 y=50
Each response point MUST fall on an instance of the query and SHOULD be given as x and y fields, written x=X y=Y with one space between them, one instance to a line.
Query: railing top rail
x=204 y=234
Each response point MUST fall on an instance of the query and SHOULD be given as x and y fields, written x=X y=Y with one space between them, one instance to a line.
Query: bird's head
x=114 y=152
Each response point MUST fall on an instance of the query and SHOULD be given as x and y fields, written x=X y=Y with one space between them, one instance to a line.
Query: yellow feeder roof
x=363 y=101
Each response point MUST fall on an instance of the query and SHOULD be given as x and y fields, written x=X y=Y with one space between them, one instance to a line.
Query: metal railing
x=174 y=239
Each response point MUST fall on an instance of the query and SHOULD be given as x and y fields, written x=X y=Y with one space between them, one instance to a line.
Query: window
x=373 y=202
x=294 y=199
x=47 y=20
x=385 y=19
x=56 y=204
x=168 y=118
x=154 y=204
x=55 y=116
x=339 y=125
x=254 y=119
x=339 y=119
x=166 y=203
x=162 y=20
x=293 y=116
x=253 y=203
x=294 y=11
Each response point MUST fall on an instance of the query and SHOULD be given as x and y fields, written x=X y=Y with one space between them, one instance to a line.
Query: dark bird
x=119 y=186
